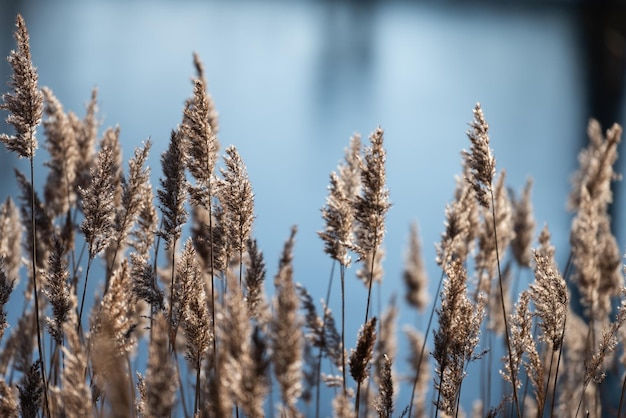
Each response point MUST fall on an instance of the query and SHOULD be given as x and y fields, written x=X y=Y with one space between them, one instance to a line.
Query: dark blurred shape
x=603 y=54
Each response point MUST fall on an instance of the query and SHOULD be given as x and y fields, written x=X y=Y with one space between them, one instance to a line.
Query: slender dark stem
x=443 y=367
x=42 y=364
x=82 y=300
x=318 y=367
x=558 y=362
x=196 y=402
x=342 y=274
x=357 y=401
x=545 y=395
x=621 y=398
x=506 y=325
x=367 y=311
x=172 y=337
x=369 y=289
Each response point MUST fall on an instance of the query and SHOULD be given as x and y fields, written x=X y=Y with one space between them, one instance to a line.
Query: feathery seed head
x=479 y=160
x=25 y=104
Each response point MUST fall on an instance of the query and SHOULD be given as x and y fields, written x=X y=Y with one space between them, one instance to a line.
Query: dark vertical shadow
x=603 y=55
x=346 y=57
x=603 y=58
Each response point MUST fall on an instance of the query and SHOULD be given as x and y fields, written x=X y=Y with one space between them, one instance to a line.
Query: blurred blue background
x=292 y=82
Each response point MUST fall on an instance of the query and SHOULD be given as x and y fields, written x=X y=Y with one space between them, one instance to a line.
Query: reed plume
x=371 y=206
x=361 y=356
x=57 y=291
x=25 y=104
x=59 y=192
x=31 y=389
x=131 y=204
x=237 y=198
x=286 y=333
x=457 y=336
x=384 y=400
x=99 y=209
x=479 y=160
x=172 y=196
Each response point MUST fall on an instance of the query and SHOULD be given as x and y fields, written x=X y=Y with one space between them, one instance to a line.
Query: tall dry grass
x=218 y=346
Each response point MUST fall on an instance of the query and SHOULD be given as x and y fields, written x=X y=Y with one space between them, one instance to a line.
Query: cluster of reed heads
x=247 y=354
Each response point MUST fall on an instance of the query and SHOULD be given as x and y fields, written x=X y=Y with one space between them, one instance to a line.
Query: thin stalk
x=367 y=310
x=506 y=325
x=42 y=365
x=621 y=398
x=369 y=290
x=318 y=367
x=172 y=337
x=196 y=402
x=342 y=274
x=82 y=301
x=545 y=396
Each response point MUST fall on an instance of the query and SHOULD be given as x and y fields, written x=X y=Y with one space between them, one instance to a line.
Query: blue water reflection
x=293 y=80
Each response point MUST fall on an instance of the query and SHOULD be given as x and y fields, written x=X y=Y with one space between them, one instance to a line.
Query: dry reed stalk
x=361 y=356
x=131 y=204
x=384 y=399
x=481 y=168
x=461 y=229
x=457 y=336
x=371 y=206
x=195 y=320
x=25 y=107
x=339 y=218
x=256 y=302
x=286 y=332
x=200 y=129
x=60 y=193
x=386 y=343
x=245 y=367
x=500 y=226
x=237 y=198
x=522 y=343
x=58 y=292
x=98 y=207
x=172 y=196
x=188 y=276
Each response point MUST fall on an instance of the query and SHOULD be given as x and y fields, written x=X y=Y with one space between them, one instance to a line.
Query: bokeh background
x=293 y=80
